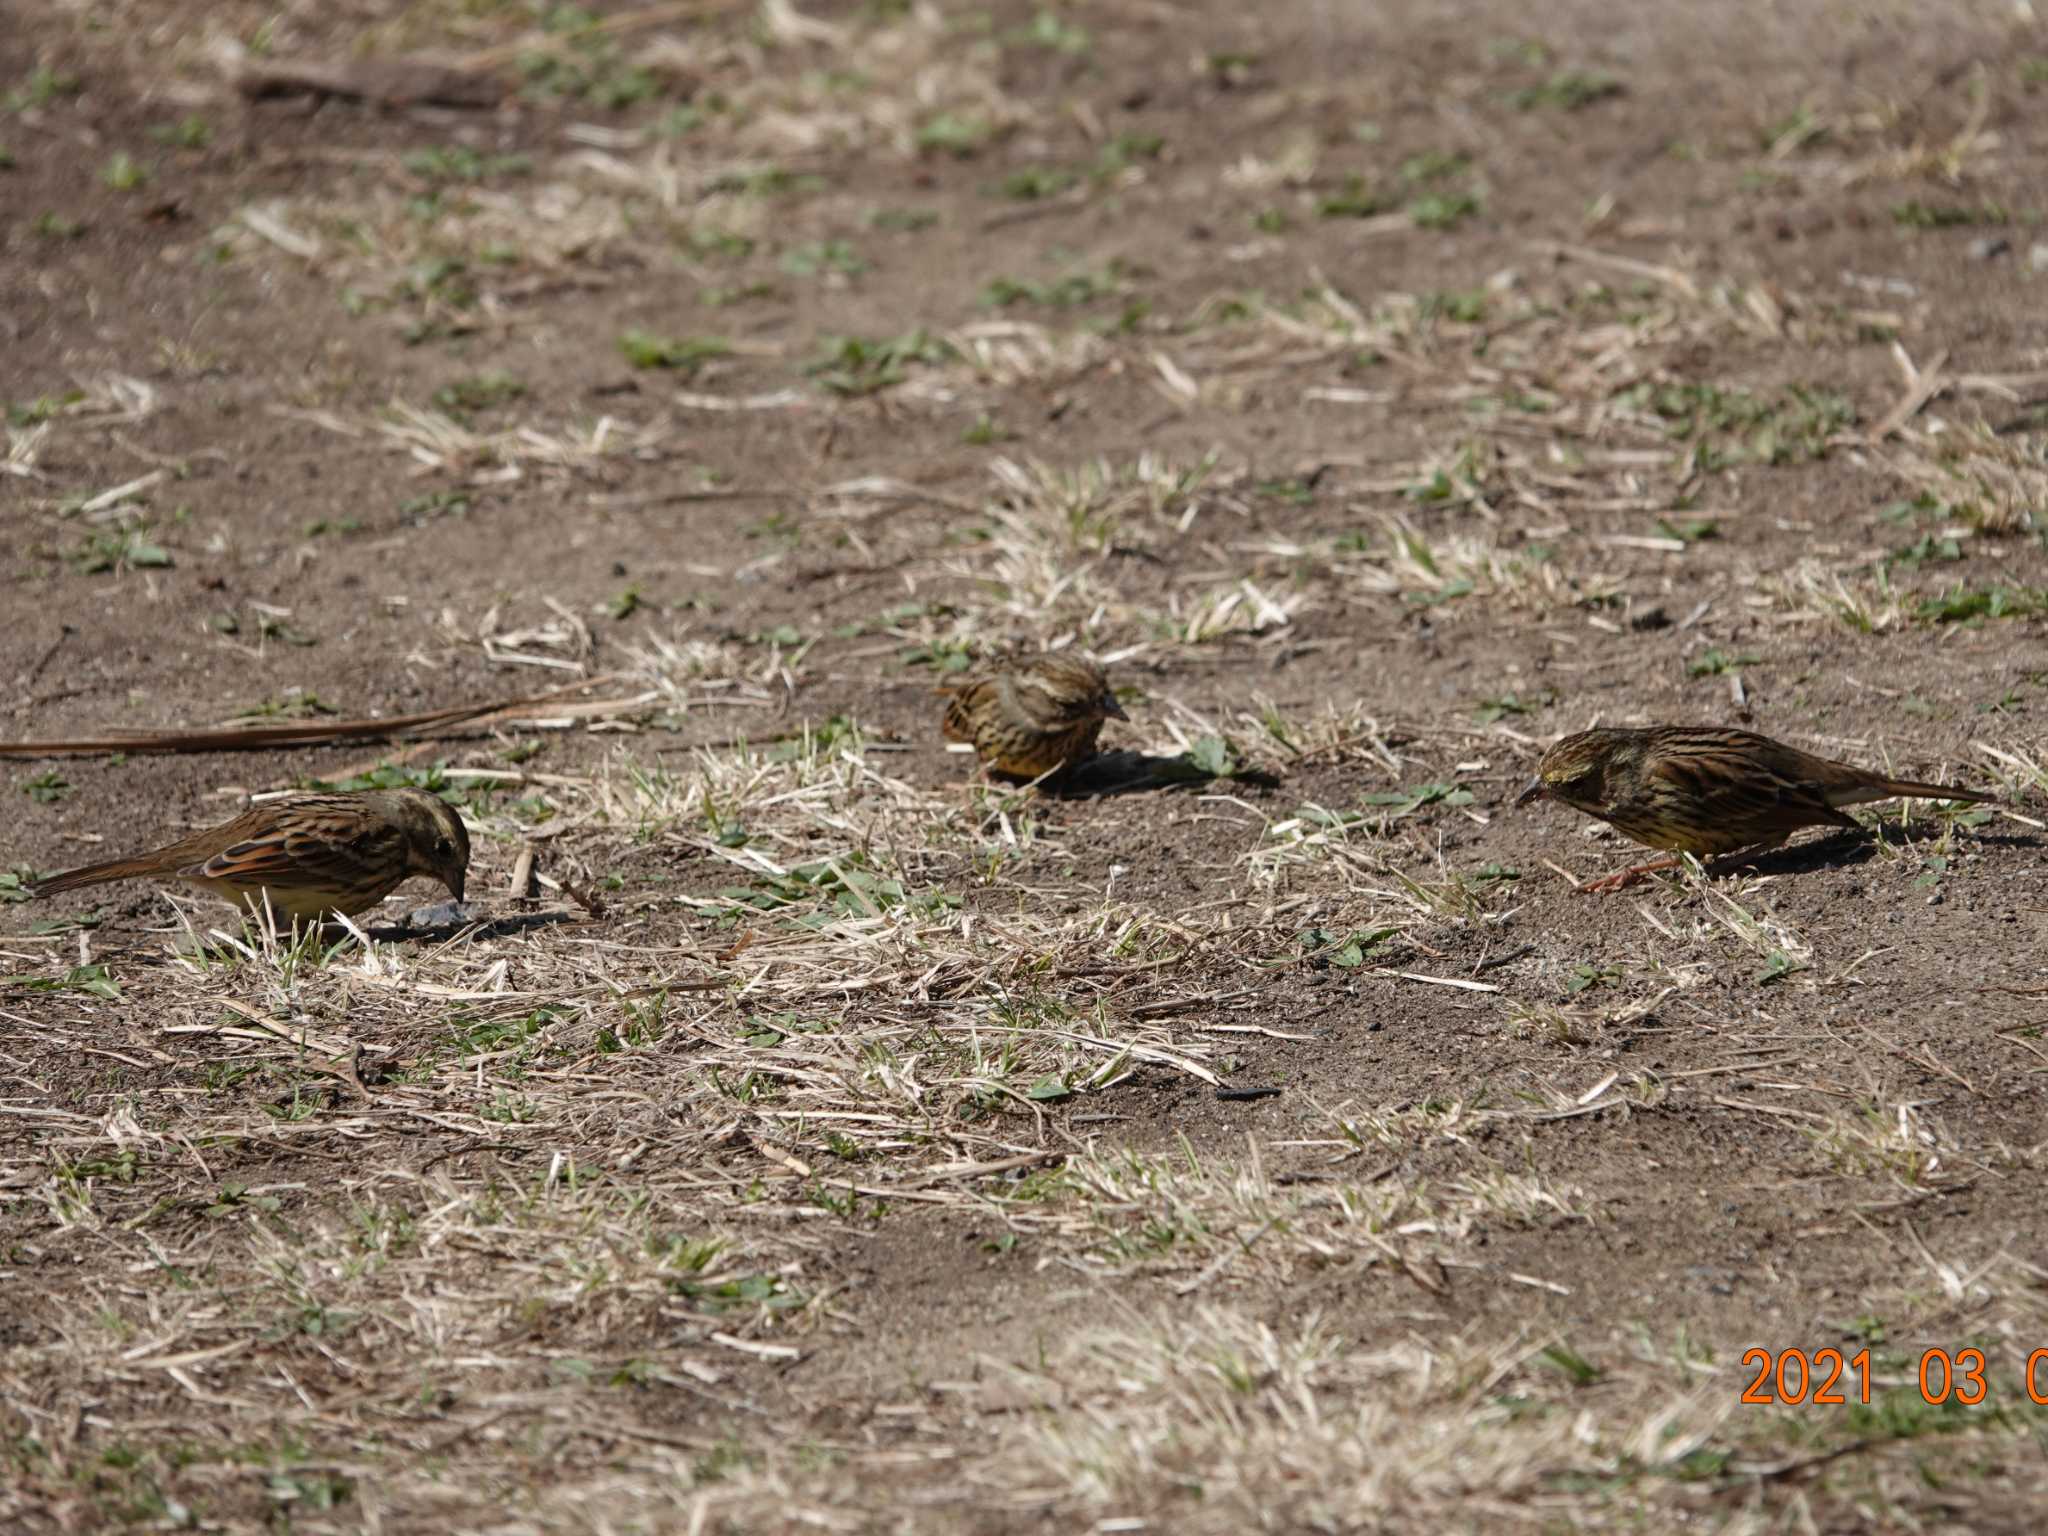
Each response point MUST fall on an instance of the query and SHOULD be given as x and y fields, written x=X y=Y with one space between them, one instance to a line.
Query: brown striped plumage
x=1030 y=716
x=1707 y=790
x=311 y=855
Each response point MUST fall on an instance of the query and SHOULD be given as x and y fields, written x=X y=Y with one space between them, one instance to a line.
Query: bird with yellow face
x=309 y=856
x=1032 y=716
x=1708 y=790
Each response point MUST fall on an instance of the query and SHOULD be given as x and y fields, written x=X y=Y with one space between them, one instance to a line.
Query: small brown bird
x=1707 y=790
x=1035 y=714
x=312 y=855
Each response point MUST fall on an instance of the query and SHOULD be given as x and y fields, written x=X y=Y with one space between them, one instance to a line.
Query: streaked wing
x=1736 y=794
x=319 y=852
x=961 y=708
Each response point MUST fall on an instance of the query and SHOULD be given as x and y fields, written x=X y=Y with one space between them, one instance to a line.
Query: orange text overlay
x=1827 y=1377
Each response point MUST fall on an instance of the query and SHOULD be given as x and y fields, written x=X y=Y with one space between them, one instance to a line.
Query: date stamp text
x=1828 y=1378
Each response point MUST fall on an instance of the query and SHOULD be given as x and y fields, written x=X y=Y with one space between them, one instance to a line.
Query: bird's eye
x=443 y=848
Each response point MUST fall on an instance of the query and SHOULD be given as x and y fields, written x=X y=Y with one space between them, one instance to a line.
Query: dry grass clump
x=1228 y=1222
x=805 y=1136
x=1232 y=1423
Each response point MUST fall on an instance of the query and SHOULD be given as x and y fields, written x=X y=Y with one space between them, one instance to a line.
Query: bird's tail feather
x=94 y=874
x=1885 y=789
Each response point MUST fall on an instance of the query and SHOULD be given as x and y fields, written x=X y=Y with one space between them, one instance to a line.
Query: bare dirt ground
x=1264 y=1136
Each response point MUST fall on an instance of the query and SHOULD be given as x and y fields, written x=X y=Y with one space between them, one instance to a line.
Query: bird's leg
x=1726 y=864
x=1621 y=879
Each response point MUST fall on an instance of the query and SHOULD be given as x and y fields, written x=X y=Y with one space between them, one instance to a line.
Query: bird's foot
x=1622 y=879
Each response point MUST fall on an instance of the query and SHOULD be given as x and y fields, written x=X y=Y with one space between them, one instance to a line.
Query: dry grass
x=836 y=1143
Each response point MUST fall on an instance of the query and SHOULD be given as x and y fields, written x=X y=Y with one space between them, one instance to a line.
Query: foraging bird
x=1706 y=790
x=1032 y=715
x=311 y=855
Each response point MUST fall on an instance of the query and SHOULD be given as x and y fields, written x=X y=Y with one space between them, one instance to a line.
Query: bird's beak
x=1536 y=791
x=455 y=885
x=1112 y=709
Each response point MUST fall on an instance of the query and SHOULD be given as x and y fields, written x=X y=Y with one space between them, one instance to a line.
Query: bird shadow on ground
x=492 y=928
x=1130 y=773
x=1843 y=849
